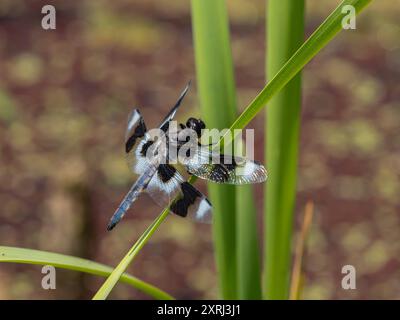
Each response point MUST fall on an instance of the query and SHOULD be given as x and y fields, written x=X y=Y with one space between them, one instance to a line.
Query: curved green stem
x=30 y=256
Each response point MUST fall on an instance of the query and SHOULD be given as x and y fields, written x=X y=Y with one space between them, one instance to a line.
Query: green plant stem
x=285 y=33
x=319 y=39
x=29 y=256
x=217 y=97
x=248 y=251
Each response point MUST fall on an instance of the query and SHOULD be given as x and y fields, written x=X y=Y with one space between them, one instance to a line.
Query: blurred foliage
x=64 y=99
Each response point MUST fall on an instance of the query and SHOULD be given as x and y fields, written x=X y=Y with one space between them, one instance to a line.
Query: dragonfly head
x=196 y=124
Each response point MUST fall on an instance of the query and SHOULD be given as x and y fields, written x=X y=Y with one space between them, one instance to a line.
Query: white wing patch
x=168 y=184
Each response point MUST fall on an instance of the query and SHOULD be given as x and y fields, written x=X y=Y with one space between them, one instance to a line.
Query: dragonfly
x=160 y=179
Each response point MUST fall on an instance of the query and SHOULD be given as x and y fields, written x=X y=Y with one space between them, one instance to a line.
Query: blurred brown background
x=64 y=98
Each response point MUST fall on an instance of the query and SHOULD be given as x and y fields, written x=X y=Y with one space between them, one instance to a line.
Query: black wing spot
x=139 y=132
x=231 y=164
x=219 y=173
x=165 y=127
x=145 y=147
x=166 y=172
x=190 y=194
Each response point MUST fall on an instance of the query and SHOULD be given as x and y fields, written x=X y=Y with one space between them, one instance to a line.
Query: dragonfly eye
x=195 y=124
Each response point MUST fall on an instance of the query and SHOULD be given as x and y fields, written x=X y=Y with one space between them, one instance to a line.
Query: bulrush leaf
x=29 y=256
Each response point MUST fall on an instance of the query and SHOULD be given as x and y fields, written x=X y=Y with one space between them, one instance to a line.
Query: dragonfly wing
x=135 y=130
x=168 y=185
x=137 y=140
x=171 y=114
x=227 y=169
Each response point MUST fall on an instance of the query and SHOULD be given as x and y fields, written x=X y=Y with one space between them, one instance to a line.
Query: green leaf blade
x=30 y=256
x=248 y=250
x=217 y=96
x=285 y=33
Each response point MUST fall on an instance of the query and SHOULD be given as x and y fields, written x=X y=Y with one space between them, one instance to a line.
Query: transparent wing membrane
x=224 y=168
